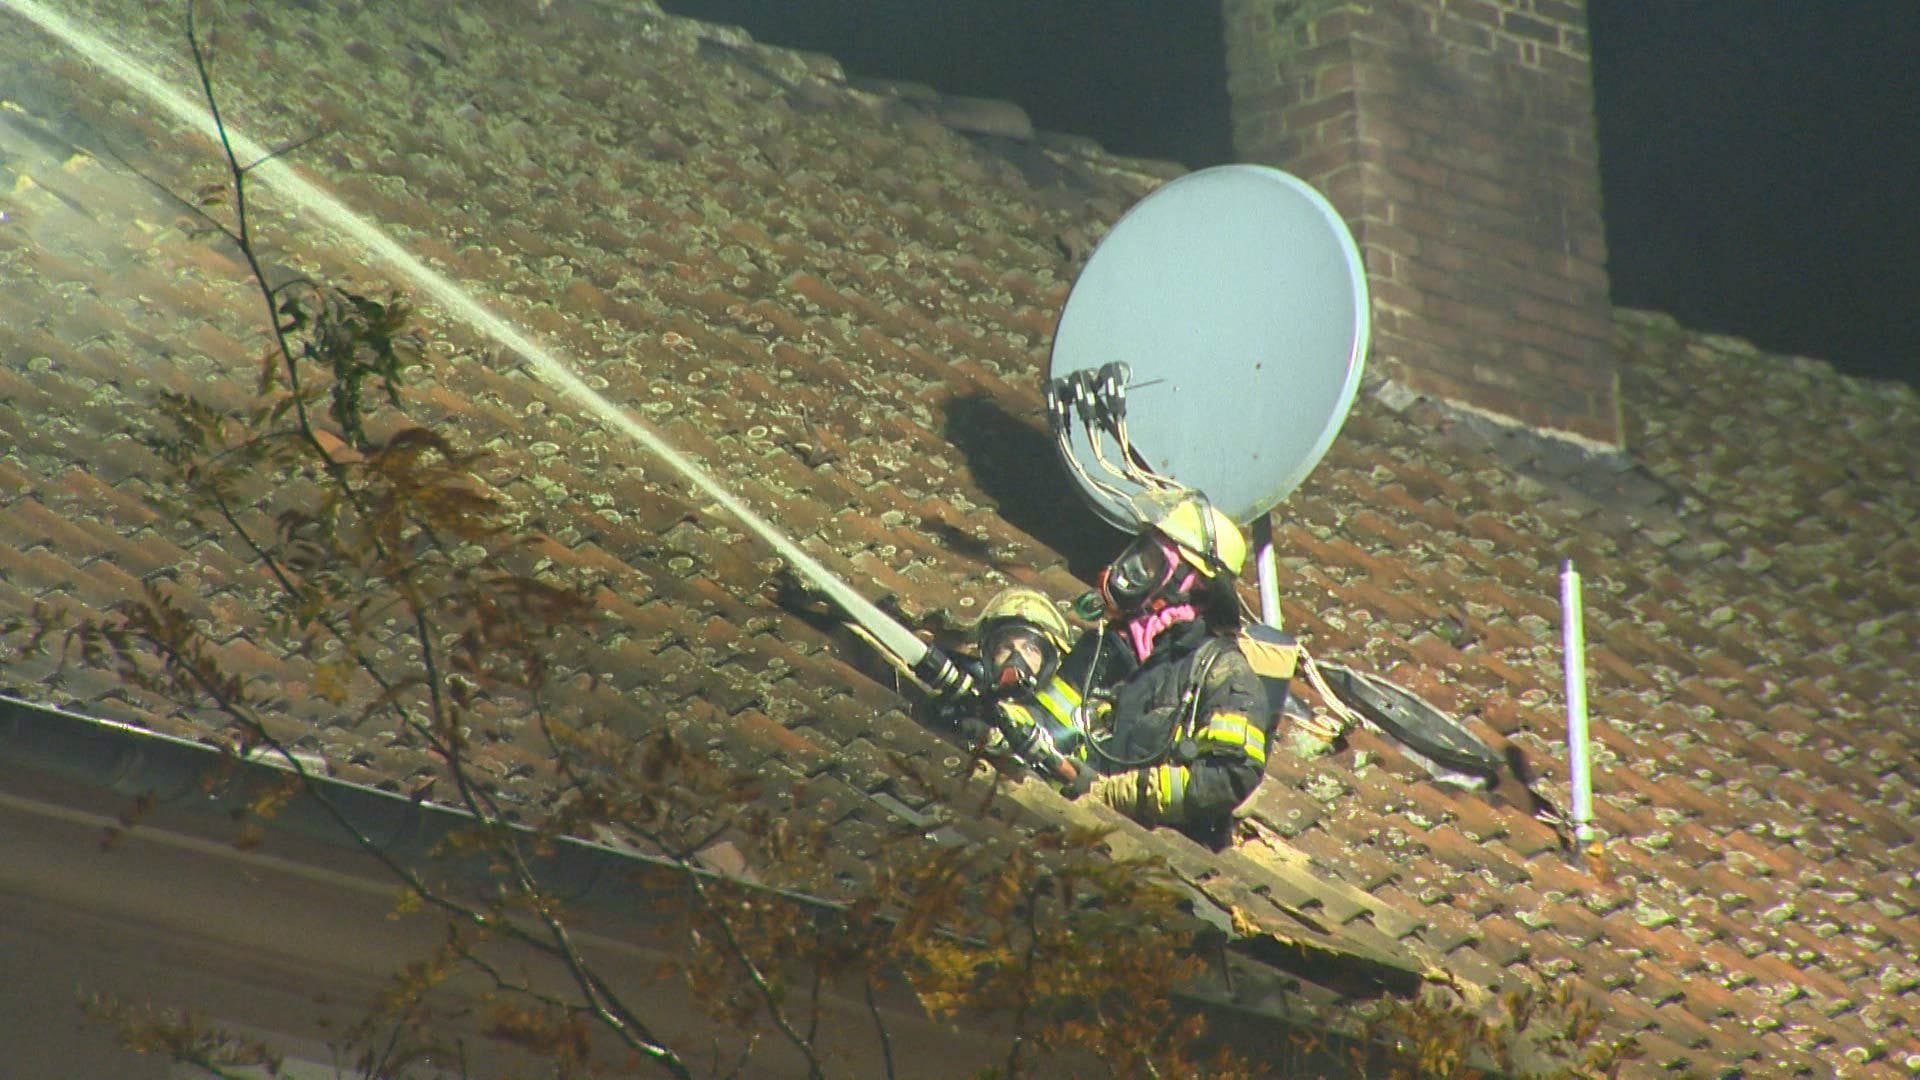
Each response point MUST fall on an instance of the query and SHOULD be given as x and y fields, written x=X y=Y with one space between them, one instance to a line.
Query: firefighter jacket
x=1042 y=729
x=1193 y=719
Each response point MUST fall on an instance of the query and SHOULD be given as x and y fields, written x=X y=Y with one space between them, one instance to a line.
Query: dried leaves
x=405 y=587
x=1545 y=1035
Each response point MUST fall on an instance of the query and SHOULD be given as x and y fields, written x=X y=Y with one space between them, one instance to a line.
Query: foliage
x=411 y=588
x=1541 y=1036
x=396 y=576
x=182 y=1038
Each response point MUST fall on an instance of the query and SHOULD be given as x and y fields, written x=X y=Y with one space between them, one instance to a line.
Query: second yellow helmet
x=1206 y=538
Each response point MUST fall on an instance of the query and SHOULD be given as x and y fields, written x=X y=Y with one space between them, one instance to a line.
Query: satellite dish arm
x=1100 y=400
x=1065 y=397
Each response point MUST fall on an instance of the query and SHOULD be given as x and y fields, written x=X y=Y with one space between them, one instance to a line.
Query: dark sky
x=1760 y=159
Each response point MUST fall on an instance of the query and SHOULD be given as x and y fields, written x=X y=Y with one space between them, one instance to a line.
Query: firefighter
x=1030 y=713
x=1184 y=738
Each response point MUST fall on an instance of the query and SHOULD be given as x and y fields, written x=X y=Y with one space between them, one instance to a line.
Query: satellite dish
x=1236 y=297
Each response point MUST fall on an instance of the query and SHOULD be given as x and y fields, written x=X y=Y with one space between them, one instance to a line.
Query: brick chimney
x=1457 y=139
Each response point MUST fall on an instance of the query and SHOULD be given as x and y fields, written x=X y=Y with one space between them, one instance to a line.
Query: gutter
x=66 y=763
x=128 y=762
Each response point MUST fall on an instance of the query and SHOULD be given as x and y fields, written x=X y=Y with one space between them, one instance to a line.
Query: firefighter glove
x=1120 y=791
x=1080 y=782
x=973 y=729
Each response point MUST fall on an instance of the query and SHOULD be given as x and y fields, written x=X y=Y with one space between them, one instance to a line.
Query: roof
x=832 y=304
x=1750 y=576
x=840 y=307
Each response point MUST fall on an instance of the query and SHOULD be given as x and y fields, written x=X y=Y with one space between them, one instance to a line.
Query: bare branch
x=879 y=1027
x=769 y=999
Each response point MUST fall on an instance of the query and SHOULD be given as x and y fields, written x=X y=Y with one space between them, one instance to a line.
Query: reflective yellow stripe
x=1234 y=729
x=1060 y=699
x=1167 y=785
x=1019 y=714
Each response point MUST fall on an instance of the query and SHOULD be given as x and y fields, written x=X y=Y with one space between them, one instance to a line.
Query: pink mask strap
x=1142 y=632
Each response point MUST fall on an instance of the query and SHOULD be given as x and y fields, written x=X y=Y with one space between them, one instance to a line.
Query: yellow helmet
x=1022 y=638
x=1205 y=537
x=1026 y=605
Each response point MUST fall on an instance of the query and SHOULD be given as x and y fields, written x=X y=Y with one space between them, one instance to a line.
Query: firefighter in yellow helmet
x=1030 y=712
x=1185 y=739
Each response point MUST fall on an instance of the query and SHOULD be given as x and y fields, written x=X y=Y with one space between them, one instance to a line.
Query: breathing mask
x=1019 y=658
x=1141 y=574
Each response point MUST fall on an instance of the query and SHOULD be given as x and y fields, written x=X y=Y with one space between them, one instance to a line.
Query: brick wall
x=1457 y=139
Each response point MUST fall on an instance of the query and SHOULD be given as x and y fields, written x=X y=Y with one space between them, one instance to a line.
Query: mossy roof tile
x=730 y=240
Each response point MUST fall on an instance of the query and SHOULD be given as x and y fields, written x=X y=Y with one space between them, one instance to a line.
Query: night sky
x=1760 y=159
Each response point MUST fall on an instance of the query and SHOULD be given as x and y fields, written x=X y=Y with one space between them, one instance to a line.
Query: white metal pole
x=1579 y=763
x=1267 y=570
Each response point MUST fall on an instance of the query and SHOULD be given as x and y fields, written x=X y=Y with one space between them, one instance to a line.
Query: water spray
x=458 y=303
